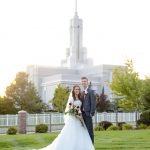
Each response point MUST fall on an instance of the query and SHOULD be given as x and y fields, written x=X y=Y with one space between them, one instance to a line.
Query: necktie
x=84 y=94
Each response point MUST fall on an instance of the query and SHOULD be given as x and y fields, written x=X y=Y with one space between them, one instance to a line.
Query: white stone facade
x=72 y=68
x=46 y=79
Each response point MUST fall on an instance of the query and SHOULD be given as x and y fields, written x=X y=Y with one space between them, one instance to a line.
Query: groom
x=88 y=106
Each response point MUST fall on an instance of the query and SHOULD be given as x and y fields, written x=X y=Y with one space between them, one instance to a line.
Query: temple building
x=72 y=68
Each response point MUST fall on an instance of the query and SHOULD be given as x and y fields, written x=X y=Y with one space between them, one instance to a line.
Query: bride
x=74 y=135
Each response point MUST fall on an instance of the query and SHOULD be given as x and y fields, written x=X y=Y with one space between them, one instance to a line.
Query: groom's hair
x=84 y=78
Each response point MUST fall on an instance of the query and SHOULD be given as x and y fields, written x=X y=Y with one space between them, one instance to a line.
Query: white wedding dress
x=73 y=136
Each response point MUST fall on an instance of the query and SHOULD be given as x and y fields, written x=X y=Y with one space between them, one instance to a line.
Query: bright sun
x=5 y=80
x=7 y=76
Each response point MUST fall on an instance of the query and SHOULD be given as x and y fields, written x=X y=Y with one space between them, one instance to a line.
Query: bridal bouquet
x=75 y=110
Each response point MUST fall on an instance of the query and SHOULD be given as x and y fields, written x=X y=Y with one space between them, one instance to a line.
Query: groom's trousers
x=89 y=124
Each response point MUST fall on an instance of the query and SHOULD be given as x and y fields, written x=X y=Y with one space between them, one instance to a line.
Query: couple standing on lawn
x=77 y=134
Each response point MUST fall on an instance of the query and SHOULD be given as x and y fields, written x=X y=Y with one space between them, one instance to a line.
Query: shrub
x=112 y=127
x=127 y=127
x=145 y=115
x=144 y=118
x=12 y=131
x=120 y=124
x=142 y=126
x=41 y=128
x=148 y=127
x=141 y=121
x=105 y=124
x=99 y=128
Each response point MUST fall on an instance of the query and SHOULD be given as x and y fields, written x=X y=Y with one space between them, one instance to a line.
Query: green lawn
x=104 y=140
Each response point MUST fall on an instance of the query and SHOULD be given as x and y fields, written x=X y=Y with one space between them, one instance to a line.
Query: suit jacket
x=89 y=103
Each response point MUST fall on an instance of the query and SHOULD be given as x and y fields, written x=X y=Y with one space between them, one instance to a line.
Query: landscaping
x=104 y=140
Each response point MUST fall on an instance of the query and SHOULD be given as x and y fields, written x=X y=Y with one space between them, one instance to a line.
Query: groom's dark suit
x=88 y=110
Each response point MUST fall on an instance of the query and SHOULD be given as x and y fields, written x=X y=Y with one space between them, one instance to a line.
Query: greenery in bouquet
x=75 y=110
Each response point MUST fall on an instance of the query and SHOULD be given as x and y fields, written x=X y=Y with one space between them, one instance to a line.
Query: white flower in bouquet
x=76 y=111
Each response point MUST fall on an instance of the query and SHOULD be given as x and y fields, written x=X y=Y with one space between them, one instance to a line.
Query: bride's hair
x=73 y=93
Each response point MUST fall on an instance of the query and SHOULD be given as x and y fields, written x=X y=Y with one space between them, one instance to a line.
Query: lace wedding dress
x=73 y=136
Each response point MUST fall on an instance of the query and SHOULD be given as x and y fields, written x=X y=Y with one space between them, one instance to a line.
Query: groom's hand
x=92 y=114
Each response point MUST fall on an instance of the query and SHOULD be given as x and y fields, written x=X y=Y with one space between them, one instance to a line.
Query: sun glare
x=4 y=83
x=6 y=78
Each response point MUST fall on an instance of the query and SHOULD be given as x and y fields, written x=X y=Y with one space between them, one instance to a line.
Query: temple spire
x=76 y=9
x=76 y=54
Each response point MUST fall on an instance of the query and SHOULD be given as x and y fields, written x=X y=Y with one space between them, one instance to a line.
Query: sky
x=37 y=32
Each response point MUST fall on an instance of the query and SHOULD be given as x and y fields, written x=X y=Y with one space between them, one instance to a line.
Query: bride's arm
x=69 y=104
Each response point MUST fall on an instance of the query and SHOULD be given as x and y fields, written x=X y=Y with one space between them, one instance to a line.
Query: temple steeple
x=76 y=55
x=76 y=8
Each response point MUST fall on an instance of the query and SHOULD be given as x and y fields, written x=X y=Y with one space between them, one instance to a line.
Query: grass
x=123 y=140
x=104 y=140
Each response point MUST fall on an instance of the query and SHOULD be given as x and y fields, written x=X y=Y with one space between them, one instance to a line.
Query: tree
x=6 y=107
x=102 y=104
x=146 y=93
x=60 y=98
x=24 y=95
x=127 y=87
